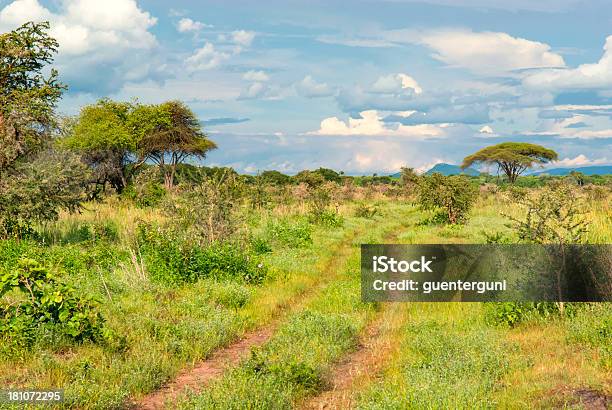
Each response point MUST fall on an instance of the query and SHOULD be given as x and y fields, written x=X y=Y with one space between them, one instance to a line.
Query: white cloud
x=585 y=76
x=563 y=128
x=483 y=52
x=310 y=88
x=393 y=83
x=205 y=58
x=486 y=130
x=371 y=124
x=210 y=55
x=253 y=75
x=243 y=37
x=82 y=26
x=186 y=25
x=580 y=160
x=257 y=90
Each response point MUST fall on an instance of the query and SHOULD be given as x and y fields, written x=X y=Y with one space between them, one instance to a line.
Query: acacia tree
x=168 y=134
x=104 y=135
x=513 y=158
x=27 y=97
x=35 y=180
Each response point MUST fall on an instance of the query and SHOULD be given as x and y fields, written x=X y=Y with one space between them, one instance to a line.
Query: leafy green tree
x=311 y=178
x=408 y=177
x=454 y=194
x=103 y=134
x=513 y=158
x=28 y=97
x=168 y=134
x=329 y=174
x=275 y=178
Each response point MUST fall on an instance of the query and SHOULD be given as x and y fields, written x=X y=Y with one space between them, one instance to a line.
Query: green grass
x=296 y=362
x=162 y=322
x=448 y=357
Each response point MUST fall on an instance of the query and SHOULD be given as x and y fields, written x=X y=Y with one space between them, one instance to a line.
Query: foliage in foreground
x=32 y=299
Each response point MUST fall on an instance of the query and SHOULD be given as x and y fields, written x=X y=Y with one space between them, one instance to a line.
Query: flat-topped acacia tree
x=511 y=157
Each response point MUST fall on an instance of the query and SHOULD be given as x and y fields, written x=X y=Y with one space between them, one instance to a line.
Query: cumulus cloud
x=486 y=130
x=310 y=88
x=211 y=56
x=394 y=83
x=243 y=37
x=482 y=52
x=253 y=75
x=186 y=25
x=572 y=128
x=371 y=124
x=206 y=57
x=580 y=160
x=94 y=34
x=82 y=26
x=585 y=76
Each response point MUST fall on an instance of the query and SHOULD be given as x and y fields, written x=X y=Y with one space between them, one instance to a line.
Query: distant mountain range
x=446 y=169
x=449 y=169
x=592 y=170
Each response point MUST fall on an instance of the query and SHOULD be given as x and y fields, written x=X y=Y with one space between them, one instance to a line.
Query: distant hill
x=592 y=170
x=448 y=169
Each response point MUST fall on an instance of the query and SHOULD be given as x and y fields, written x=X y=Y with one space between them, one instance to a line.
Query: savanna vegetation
x=125 y=262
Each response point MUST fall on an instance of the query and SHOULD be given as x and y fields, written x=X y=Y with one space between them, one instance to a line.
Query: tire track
x=197 y=378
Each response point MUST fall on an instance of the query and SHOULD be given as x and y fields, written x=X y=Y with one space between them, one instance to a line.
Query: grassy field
x=428 y=355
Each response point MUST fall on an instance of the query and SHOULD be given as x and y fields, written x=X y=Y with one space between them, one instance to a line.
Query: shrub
x=512 y=313
x=320 y=200
x=205 y=211
x=171 y=259
x=147 y=190
x=366 y=211
x=232 y=295
x=294 y=235
x=327 y=218
x=260 y=246
x=38 y=190
x=454 y=194
x=106 y=231
x=38 y=299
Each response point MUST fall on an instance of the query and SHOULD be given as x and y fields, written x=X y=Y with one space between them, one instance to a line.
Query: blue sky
x=359 y=86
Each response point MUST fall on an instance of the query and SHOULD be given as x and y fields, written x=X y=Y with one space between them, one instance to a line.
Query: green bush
x=454 y=194
x=232 y=295
x=293 y=235
x=31 y=297
x=512 y=313
x=171 y=259
x=327 y=218
x=260 y=246
x=106 y=231
x=366 y=211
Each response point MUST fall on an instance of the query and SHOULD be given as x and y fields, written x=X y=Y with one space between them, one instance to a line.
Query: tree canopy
x=105 y=138
x=117 y=137
x=168 y=134
x=28 y=97
x=513 y=158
